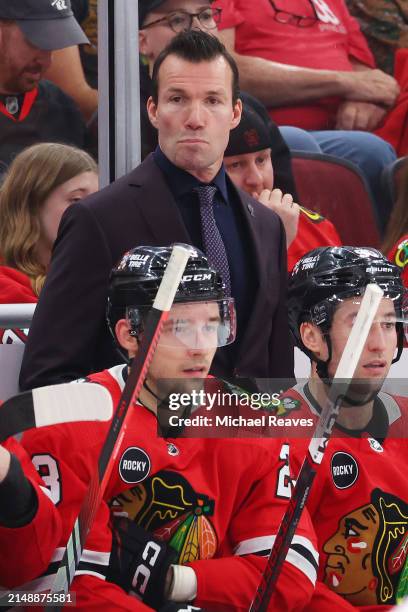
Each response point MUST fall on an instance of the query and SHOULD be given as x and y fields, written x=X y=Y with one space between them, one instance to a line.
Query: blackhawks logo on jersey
x=367 y=553
x=401 y=254
x=166 y=505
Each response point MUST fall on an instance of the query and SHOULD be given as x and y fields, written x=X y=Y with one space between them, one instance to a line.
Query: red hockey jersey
x=358 y=503
x=213 y=500
x=27 y=551
x=313 y=231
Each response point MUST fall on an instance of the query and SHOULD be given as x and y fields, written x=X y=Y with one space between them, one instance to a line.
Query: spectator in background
x=395 y=244
x=384 y=23
x=75 y=69
x=159 y=22
x=42 y=182
x=31 y=109
x=308 y=62
x=249 y=163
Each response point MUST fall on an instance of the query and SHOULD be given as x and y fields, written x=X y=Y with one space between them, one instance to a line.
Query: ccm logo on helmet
x=142 y=574
x=197 y=277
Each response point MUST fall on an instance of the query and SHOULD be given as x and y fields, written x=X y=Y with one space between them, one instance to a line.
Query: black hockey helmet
x=326 y=275
x=136 y=278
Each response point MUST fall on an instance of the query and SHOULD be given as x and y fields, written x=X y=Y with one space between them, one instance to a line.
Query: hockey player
x=30 y=526
x=359 y=500
x=204 y=509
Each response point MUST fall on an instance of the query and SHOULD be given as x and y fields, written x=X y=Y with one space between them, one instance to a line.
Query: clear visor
x=194 y=325
x=393 y=309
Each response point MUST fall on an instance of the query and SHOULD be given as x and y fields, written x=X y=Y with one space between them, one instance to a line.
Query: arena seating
x=336 y=189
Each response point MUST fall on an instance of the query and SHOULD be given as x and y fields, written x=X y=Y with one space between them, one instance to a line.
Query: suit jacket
x=69 y=337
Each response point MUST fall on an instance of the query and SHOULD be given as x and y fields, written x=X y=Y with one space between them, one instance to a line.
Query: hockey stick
x=95 y=492
x=52 y=405
x=317 y=446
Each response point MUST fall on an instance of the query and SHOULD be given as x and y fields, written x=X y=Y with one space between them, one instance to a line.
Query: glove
x=138 y=562
x=180 y=607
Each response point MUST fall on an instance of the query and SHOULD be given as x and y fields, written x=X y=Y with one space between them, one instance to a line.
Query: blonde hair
x=30 y=179
x=398 y=223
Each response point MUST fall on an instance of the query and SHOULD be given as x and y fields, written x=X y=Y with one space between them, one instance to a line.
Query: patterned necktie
x=213 y=244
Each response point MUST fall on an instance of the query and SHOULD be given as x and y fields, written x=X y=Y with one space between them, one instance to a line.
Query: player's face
x=186 y=348
x=56 y=204
x=252 y=172
x=380 y=346
x=21 y=64
x=153 y=40
x=348 y=569
x=195 y=113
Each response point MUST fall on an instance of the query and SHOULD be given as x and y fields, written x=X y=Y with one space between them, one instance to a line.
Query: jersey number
x=47 y=468
x=284 y=488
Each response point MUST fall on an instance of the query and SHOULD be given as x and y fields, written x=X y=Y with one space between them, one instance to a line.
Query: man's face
x=21 y=64
x=153 y=40
x=252 y=172
x=194 y=113
x=186 y=347
x=379 y=348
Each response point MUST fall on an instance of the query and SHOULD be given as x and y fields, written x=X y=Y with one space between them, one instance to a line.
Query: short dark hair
x=195 y=46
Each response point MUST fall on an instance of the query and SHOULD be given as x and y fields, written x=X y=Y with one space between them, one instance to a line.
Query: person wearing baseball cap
x=46 y=24
x=32 y=109
x=248 y=161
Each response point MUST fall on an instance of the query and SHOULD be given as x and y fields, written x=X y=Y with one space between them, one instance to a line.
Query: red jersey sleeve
x=29 y=548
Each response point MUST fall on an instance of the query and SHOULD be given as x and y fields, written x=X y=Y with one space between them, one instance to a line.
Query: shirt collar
x=181 y=182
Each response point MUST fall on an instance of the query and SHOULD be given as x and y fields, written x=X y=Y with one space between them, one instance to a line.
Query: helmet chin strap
x=322 y=369
x=150 y=390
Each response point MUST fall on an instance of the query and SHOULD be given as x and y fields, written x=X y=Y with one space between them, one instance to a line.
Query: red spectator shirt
x=399 y=256
x=15 y=288
x=313 y=231
x=330 y=44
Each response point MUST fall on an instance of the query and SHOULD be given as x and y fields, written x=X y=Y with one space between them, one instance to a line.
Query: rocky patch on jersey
x=166 y=505
x=134 y=465
x=367 y=553
x=344 y=470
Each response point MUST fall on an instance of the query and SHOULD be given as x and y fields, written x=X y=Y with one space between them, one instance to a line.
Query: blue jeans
x=367 y=151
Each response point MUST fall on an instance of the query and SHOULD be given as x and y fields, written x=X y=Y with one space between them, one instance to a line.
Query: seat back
x=392 y=176
x=336 y=189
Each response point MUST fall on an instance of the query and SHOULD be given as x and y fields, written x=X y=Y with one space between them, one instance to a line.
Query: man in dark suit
x=194 y=106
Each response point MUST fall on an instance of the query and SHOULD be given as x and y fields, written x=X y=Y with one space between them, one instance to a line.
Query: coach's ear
x=313 y=340
x=126 y=341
